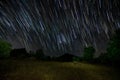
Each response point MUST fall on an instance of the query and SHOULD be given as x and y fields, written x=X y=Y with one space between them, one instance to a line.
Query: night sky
x=59 y=26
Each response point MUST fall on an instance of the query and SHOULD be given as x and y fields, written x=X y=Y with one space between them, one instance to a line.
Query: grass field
x=38 y=70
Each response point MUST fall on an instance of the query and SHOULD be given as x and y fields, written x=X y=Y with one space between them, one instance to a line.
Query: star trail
x=59 y=26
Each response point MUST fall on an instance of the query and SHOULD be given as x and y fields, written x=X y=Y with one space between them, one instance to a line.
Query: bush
x=77 y=59
x=88 y=53
x=5 y=49
x=113 y=50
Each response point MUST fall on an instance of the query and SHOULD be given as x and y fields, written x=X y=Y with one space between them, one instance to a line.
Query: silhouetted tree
x=5 y=49
x=113 y=50
x=75 y=58
x=88 y=53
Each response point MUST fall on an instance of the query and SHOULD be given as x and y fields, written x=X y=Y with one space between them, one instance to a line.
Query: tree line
x=112 y=56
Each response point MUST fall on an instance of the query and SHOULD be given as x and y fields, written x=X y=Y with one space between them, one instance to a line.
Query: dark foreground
x=38 y=70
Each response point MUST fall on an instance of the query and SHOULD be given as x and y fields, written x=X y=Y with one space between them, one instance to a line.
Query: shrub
x=76 y=58
x=88 y=53
x=5 y=49
x=113 y=50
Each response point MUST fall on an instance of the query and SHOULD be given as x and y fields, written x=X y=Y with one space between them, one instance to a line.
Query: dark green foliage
x=5 y=49
x=75 y=58
x=113 y=50
x=88 y=53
